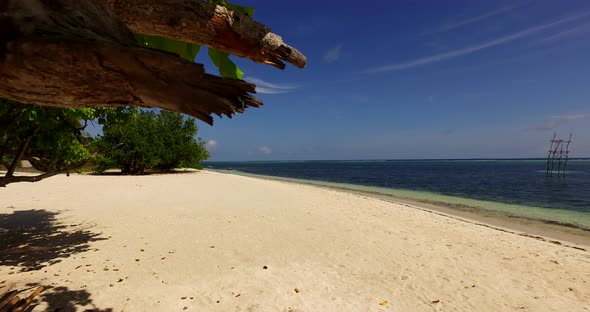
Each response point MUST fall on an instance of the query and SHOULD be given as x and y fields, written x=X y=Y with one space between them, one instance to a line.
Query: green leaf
x=187 y=51
x=227 y=68
x=219 y=2
x=248 y=11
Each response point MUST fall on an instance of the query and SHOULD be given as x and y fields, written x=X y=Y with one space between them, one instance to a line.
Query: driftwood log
x=11 y=302
x=207 y=24
x=82 y=53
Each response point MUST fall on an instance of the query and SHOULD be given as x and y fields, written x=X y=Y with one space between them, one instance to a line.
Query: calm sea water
x=517 y=187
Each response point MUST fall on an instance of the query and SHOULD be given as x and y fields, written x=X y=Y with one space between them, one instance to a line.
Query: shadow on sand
x=63 y=299
x=147 y=172
x=33 y=239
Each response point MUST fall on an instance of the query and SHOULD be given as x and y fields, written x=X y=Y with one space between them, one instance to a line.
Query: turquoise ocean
x=510 y=187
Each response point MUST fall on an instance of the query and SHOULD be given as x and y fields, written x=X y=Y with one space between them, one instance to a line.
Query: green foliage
x=226 y=67
x=56 y=135
x=249 y=11
x=241 y=9
x=57 y=138
x=151 y=141
x=187 y=51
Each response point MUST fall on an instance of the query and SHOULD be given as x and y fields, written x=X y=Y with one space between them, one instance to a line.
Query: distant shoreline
x=385 y=159
x=501 y=221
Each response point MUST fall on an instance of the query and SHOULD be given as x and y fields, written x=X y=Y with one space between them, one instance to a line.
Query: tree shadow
x=33 y=239
x=148 y=172
x=62 y=299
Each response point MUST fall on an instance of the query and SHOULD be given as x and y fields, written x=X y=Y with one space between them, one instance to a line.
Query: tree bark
x=76 y=53
x=19 y=155
x=207 y=24
x=74 y=73
x=4 y=181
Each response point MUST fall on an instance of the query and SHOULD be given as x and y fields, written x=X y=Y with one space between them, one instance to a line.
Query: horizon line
x=399 y=159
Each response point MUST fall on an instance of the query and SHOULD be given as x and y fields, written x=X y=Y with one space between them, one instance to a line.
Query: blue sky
x=416 y=79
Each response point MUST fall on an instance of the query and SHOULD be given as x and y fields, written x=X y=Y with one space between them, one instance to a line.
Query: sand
x=209 y=241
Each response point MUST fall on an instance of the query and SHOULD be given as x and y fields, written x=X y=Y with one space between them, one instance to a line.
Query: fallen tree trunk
x=74 y=73
x=207 y=24
x=76 y=53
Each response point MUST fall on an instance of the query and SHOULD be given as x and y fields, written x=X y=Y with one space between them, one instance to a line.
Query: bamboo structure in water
x=558 y=155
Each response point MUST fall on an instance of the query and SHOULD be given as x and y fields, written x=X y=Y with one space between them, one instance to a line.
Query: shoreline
x=550 y=231
x=209 y=241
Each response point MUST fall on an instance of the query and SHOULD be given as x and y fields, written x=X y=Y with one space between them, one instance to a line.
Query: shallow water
x=514 y=187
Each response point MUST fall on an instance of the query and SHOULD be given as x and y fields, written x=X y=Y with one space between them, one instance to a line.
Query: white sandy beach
x=208 y=241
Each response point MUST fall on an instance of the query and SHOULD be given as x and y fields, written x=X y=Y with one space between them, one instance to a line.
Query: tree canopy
x=51 y=139
x=163 y=140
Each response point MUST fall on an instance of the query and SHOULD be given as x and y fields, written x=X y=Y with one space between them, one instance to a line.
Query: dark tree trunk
x=76 y=53
x=15 y=179
x=18 y=156
x=207 y=24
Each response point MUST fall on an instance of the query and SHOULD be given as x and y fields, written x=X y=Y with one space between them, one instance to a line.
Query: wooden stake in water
x=558 y=152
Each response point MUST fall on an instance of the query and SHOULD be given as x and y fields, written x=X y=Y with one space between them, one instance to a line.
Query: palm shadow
x=63 y=299
x=33 y=239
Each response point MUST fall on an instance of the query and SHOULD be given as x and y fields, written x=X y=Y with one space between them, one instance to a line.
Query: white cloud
x=265 y=150
x=472 y=49
x=569 y=33
x=332 y=55
x=457 y=24
x=548 y=125
x=260 y=82
x=570 y=117
x=211 y=145
x=557 y=120
x=263 y=90
x=264 y=87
